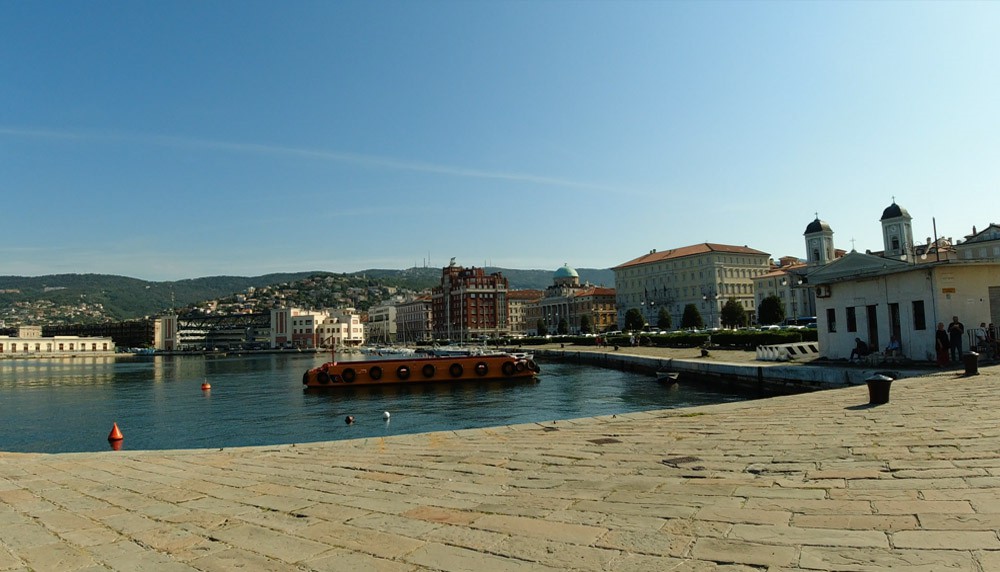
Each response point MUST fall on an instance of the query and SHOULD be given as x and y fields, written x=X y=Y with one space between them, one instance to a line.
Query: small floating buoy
x=385 y=416
x=206 y=386
x=349 y=420
x=116 y=434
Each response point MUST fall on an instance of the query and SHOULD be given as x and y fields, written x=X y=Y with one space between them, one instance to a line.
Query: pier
x=820 y=480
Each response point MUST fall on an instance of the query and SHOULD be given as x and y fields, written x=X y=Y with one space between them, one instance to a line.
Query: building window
x=831 y=320
x=852 y=320
x=919 y=319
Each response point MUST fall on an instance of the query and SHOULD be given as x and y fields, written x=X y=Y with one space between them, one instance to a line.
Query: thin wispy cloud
x=368 y=161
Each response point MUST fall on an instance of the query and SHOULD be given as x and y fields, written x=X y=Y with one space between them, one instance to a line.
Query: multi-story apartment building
x=381 y=326
x=470 y=304
x=414 y=320
x=787 y=282
x=706 y=275
x=521 y=303
x=340 y=328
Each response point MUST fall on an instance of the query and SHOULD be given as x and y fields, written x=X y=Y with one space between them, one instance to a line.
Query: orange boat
x=420 y=370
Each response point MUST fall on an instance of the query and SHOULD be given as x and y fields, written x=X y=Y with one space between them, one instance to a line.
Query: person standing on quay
x=941 y=344
x=955 y=331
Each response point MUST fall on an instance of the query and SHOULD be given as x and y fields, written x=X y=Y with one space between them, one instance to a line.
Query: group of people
x=986 y=339
x=948 y=341
x=861 y=348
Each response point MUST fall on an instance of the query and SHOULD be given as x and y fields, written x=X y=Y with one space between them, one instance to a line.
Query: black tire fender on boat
x=482 y=369
x=507 y=368
x=403 y=372
x=520 y=366
x=429 y=370
x=456 y=370
x=323 y=377
x=532 y=365
x=375 y=373
x=305 y=378
x=349 y=375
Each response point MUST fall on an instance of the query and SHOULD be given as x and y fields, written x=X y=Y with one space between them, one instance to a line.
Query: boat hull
x=404 y=371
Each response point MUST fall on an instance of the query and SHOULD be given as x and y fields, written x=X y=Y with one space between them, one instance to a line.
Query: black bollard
x=971 y=361
x=878 y=389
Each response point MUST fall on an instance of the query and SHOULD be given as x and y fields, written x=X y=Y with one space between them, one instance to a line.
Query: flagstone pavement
x=816 y=481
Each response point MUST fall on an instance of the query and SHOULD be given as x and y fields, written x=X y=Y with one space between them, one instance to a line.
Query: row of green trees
x=732 y=315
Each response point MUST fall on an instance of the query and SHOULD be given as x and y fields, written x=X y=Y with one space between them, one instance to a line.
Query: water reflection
x=257 y=400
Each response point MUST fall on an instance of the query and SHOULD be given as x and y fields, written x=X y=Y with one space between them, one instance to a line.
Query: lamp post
x=792 y=294
x=711 y=297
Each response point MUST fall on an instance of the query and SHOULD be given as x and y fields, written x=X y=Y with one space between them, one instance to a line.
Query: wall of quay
x=781 y=378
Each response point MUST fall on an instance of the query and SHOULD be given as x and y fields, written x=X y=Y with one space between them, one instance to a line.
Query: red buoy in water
x=206 y=386
x=116 y=434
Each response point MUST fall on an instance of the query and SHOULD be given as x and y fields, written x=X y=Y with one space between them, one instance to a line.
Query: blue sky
x=172 y=140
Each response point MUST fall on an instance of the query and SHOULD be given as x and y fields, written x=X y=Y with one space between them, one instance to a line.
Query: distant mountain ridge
x=127 y=298
x=124 y=298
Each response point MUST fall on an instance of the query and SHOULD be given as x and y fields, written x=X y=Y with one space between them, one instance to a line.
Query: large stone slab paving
x=818 y=481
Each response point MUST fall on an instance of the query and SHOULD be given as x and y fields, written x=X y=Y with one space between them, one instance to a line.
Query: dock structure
x=813 y=481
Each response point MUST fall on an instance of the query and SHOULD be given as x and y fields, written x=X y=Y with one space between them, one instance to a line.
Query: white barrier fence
x=786 y=352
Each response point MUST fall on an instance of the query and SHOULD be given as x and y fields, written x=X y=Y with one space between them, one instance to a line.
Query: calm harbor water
x=53 y=406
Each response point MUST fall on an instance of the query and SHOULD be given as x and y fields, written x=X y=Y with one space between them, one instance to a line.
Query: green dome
x=566 y=272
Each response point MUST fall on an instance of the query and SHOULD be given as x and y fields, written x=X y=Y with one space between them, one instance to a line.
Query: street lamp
x=795 y=283
x=712 y=298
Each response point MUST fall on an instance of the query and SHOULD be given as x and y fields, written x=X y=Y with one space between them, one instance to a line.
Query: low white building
x=905 y=291
x=29 y=343
x=876 y=299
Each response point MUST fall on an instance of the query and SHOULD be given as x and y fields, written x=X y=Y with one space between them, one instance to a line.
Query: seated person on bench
x=893 y=349
x=860 y=349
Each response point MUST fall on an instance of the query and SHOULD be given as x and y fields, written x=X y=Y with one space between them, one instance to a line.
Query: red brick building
x=470 y=304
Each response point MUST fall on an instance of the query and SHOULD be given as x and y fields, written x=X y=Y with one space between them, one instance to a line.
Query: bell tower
x=897 y=231
x=819 y=242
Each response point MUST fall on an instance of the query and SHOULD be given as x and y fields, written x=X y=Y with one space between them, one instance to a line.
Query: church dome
x=817 y=226
x=566 y=272
x=894 y=211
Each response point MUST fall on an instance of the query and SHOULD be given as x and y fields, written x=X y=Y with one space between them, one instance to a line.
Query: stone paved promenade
x=818 y=481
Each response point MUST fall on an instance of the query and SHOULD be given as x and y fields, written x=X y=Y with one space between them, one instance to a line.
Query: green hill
x=90 y=298
x=124 y=298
